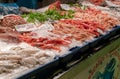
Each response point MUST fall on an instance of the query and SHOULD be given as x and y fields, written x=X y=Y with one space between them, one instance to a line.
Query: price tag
x=65 y=7
x=26 y=27
x=1 y=17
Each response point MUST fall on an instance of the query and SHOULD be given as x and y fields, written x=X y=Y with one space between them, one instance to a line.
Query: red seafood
x=44 y=42
x=89 y=26
x=12 y=20
x=91 y=14
x=55 y=5
x=8 y=35
x=97 y=2
x=117 y=2
x=80 y=34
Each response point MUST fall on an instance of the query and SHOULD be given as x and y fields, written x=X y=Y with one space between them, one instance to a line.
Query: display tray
x=73 y=54
x=111 y=33
x=95 y=42
x=115 y=30
x=60 y=62
x=80 y=51
x=67 y=58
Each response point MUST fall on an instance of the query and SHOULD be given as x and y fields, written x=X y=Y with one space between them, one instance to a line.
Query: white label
x=26 y=27
x=1 y=16
x=65 y=7
x=46 y=26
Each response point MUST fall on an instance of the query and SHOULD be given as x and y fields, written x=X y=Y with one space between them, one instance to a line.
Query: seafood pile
x=12 y=20
x=33 y=39
x=111 y=7
x=16 y=58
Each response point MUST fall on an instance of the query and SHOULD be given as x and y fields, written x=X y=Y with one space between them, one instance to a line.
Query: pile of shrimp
x=85 y=24
x=92 y=14
x=51 y=42
x=117 y=2
x=78 y=32
x=89 y=26
x=8 y=35
x=96 y=2
x=12 y=20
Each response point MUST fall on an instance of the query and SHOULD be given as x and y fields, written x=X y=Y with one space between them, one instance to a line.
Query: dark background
x=40 y=3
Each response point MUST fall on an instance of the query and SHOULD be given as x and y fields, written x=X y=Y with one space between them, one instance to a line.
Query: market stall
x=54 y=40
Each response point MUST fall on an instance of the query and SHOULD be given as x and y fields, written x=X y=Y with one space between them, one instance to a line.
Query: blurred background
x=33 y=4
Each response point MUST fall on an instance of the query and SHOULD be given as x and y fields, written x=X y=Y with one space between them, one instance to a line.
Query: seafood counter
x=34 y=38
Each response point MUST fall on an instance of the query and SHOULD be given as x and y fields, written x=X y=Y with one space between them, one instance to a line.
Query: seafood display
x=34 y=39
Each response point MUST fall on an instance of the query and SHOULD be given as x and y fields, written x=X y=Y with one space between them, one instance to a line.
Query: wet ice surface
x=22 y=55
